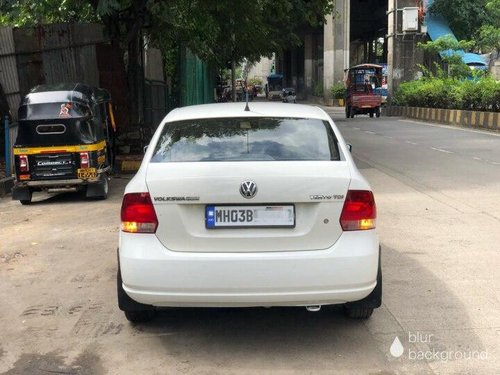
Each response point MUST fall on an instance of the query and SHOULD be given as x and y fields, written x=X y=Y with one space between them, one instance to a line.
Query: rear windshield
x=246 y=139
x=53 y=111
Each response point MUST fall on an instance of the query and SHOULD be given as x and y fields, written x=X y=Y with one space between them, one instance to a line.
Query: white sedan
x=235 y=208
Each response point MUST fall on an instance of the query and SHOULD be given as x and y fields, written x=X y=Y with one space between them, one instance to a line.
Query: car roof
x=257 y=109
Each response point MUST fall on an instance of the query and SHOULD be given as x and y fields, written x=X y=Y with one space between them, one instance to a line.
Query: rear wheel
x=352 y=112
x=371 y=113
x=139 y=316
x=377 y=112
x=358 y=312
x=347 y=111
x=363 y=309
x=135 y=312
x=27 y=198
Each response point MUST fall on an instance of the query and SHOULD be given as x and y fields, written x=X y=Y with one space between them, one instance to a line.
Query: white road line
x=495 y=163
x=387 y=136
x=355 y=128
x=476 y=158
x=441 y=150
x=485 y=132
x=411 y=143
x=369 y=132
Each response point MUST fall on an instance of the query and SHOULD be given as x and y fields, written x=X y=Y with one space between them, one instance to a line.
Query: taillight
x=23 y=163
x=359 y=212
x=138 y=214
x=84 y=160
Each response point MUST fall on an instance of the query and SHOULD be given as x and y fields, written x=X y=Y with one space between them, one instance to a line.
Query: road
x=438 y=197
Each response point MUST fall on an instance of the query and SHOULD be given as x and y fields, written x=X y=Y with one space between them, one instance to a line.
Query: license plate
x=86 y=173
x=269 y=216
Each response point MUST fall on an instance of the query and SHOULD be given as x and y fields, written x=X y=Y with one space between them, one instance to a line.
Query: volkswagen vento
x=235 y=208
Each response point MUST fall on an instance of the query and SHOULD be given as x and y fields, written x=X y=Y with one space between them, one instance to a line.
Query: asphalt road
x=438 y=197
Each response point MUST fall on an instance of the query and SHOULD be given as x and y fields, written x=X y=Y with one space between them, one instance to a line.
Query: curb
x=6 y=185
x=455 y=117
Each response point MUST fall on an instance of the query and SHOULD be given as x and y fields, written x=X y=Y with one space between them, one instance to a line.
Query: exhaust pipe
x=313 y=308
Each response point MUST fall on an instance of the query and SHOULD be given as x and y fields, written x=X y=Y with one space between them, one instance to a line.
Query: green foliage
x=30 y=13
x=255 y=81
x=477 y=20
x=448 y=47
x=464 y=16
x=480 y=94
x=318 y=89
x=337 y=91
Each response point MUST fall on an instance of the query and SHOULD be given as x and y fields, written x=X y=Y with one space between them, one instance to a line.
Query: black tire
x=105 y=187
x=352 y=112
x=377 y=112
x=363 y=309
x=358 y=312
x=27 y=201
x=347 y=111
x=136 y=317
x=98 y=190
x=135 y=312
x=371 y=113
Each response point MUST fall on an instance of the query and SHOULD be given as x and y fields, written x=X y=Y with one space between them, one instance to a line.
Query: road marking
x=484 y=132
x=369 y=132
x=355 y=128
x=411 y=143
x=495 y=163
x=476 y=158
x=441 y=150
x=387 y=136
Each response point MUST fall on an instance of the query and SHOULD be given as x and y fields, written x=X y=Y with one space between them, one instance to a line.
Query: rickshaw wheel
x=371 y=113
x=26 y=202
x=105 y=188
x=347 y=111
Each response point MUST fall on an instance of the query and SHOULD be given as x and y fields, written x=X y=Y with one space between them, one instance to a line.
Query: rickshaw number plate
x=86 y=173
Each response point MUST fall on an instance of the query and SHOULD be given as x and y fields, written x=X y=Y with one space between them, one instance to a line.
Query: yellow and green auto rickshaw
x=65 y=141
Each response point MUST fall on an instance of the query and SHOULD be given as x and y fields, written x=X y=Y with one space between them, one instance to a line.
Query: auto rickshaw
x=65 y=141
x=361 y=82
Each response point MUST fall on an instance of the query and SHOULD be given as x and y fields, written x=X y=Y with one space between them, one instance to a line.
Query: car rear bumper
x=154 y=275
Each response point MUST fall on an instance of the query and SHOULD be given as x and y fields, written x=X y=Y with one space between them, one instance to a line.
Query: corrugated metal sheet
x=9 y=78
x=13 y=136
x=59 y=66
x=87 y=67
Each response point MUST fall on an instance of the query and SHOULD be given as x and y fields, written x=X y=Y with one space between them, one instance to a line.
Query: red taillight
x=138 y=214
x=84 y=159
x=23 y=163
x=359 y=212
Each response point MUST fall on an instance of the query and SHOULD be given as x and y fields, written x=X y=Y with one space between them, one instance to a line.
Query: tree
x=220 y=31
x=489 y=34
x=464 y=16
x=477 y=20
x=447 y=47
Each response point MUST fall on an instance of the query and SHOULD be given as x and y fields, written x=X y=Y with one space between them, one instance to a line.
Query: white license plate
x=265 y=216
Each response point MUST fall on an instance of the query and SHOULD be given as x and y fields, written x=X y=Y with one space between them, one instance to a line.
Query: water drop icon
x=397 y=348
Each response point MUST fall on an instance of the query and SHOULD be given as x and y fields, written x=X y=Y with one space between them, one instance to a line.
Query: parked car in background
x=235 y=208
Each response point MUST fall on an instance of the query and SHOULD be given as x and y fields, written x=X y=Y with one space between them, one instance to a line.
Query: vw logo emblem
x=248 y=189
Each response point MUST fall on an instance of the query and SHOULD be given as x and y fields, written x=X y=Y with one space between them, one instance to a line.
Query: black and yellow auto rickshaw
x=65 y=141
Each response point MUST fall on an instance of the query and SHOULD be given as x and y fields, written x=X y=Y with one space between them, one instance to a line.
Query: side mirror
x=349 y=147
x=145 y=148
